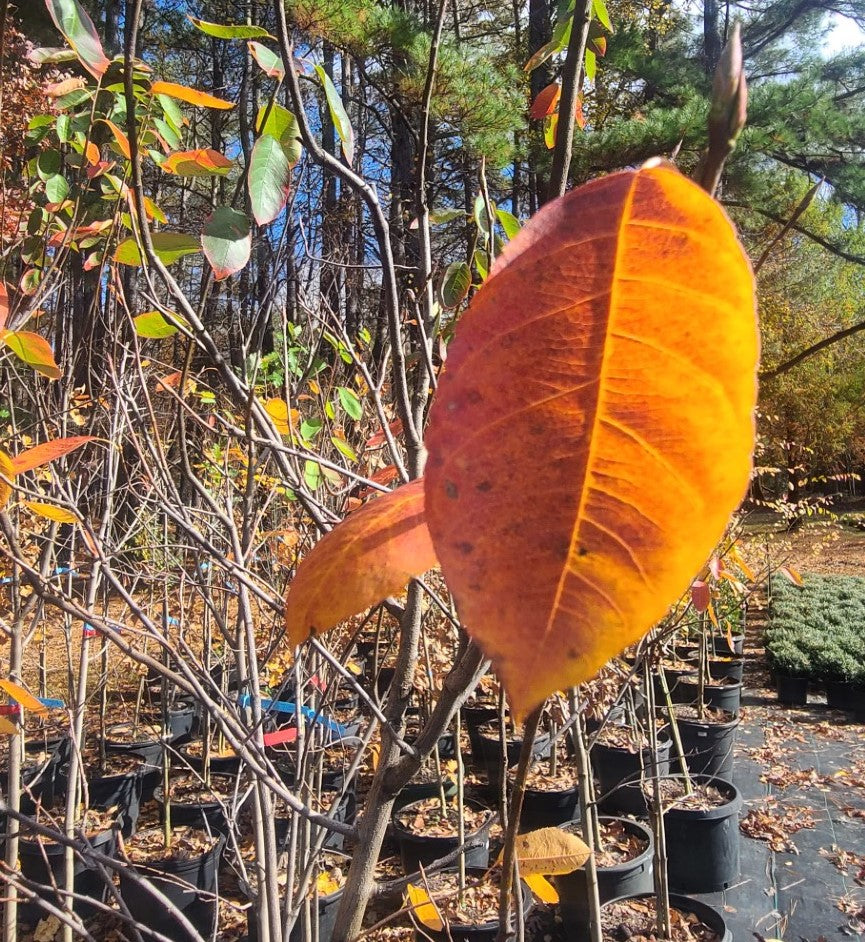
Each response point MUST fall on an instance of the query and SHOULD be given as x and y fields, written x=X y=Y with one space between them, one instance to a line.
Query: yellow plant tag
x=424 y=908
x=22 y=697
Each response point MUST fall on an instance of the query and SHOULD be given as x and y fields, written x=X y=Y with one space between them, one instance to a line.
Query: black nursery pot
x=418 y=791
x=188 y=884
x=345 y=813
x=726 y=697
x=792 y=691
x=45 y=863
x=482 y=932
x=676 y=678
x=490 y=754
x=182 y=721
x=121 y=791
x=326 y=916
x=703 y=845
x=219 y=765
x=148 y=749
x=708 y=915
x=191 y=812
x=842 y=695
x=548 y=809
x=708 y=747
x=619 y=773
x=473 y=718
x=420 y=850
x=630 y=878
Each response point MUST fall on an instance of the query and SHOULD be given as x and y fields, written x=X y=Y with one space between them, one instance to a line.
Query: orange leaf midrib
x=592 y=431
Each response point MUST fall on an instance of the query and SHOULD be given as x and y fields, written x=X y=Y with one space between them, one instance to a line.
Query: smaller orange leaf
x=326 y=885
x=120 y=138
x=7 y=470
x=91 y=152
x=21 y=696
x=546 y=101
x=48 y=451
x=424 y=908
x=197 y=163
x=370 y=555
x=191 y=96
x=791 y=574
x=51 y=511
x=378 y=439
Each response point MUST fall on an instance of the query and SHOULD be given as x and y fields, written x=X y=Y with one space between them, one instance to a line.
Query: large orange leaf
x=370 y=555
x=593 y=429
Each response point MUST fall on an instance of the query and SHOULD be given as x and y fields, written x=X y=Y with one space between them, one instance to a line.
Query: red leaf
x=700 y=595
x=546 y=102
x=4 y=305
x=378 y=439
x=48 y=451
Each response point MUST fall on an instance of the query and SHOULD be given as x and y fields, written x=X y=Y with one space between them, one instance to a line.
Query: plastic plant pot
x=629 y=878
x=418 y=850
x=708 y=915
x=620 y=773
x=792 y=691
x=708 y=747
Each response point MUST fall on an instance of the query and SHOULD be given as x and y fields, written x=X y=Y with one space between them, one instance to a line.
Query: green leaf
x=226 y=241
x=56 y=188
x=440 y=216
x=349 y=401
x=312 y=474
x=591 y=65
x=73 y=99
x=63 y=128
x=50 y=55
x=170 y=247
x=240 y=31
x=599 y=8
x=343 y=447
x=48 y=164
x=172 y=138
x=78 y=30
x=338 y=115
x=482 y=263
x=309 y=429
x=33 y=350
x=172 y=112
x=281 y=124
x=509 y=222
x=154 y=326
x=269 y=179
x=455 y=284
x=268 y=61
x=480 y=214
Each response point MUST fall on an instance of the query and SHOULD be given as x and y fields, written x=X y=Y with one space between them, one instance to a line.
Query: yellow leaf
x=542 y=888
x=22 y=697
x=33 y=350
x=51 y=511
x=550 y=851
x=424 y=908
x=314 y=388
x=284 y=419
x=736 y=556
x=325 y=884
x=7 y=727
x=7 y=469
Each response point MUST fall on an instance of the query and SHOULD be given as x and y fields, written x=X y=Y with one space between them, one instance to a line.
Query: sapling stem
x=704 y=667
x=503 y=759
x=656 y=811
x=554 y=749
x=674 y=726
x=590 y=823
x=461 y=827
x=530 y=729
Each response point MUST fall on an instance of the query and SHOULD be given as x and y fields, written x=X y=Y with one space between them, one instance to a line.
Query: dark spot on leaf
x=474 y=397
x=573 y=654
x=583 y=551
x=465 y=548
x=451 y=490
x=484 y=486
